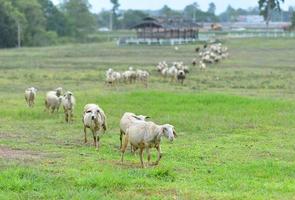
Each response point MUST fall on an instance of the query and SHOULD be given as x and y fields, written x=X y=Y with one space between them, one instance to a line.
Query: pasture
x=235 y=124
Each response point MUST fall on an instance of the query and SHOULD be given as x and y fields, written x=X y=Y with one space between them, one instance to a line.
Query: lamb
x=52 y=101
x=68 y=102
x=181 y=76
x=94 y=119
x=145 y=135
x=30 y=95
x=127 y=120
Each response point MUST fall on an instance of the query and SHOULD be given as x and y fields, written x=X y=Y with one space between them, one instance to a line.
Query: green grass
x=235 y=124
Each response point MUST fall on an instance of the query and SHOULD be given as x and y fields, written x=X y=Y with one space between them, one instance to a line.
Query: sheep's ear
x=136 y=117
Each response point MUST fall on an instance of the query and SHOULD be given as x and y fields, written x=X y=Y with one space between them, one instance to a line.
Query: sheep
x=68 y=103
x=172 y=73
x=127 y=120
x=194 y=62
x=129 y=75
x=112 y=77
x=145 y=135
x=143 y=77
x=202 y=65
x=181 y=76
x=94 y=119
x=30 y=95
x=52 y=101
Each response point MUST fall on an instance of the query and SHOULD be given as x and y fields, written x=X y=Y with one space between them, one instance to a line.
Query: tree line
x=40 y=22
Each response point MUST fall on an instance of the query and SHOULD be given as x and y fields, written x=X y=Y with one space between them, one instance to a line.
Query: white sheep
x=52 y=101
x=94 y=118
x=127 y=120
x=68 y=103
x=202 y=65
x=30 y=95
x=145 y=135
x=172 y=73
x=143 y=77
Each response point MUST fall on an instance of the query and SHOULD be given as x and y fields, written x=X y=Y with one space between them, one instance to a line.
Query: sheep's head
x=94 y=113
x=169 y=132
x=68 y=95
x=58 y=91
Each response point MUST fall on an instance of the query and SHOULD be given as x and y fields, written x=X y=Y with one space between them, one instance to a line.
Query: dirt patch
x=18 y=154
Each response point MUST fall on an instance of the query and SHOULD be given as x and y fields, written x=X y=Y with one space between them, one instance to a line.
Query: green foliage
x=266 y=8
x=9 y=18
x=81 y=21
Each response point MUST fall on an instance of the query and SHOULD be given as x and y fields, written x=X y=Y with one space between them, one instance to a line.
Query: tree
x=115 y=10
x=230 y=15
x=212 y=8
x=132 y=17
x=81 y=21
x=34 y=24
x=266 y=8
x=55 y=19
x=9 y=20
x=167 y=12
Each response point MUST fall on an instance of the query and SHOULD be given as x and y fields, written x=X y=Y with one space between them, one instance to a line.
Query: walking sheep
x=145 y=135
x=126 y=121
x=94 y=119
x=68 y=103
x=52 y=101
x=30 y=95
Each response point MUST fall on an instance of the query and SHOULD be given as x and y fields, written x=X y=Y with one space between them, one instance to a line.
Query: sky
x=98 y=5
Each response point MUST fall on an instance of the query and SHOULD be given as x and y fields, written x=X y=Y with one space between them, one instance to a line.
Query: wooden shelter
x=151 y=28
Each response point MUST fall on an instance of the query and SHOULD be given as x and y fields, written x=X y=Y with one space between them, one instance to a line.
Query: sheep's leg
x=72 y=116
x=95 y=139
x=159 y=154
x=148 y=155
x=85 y=136
x=121 y=137
x=124 y=146
x=141 y=157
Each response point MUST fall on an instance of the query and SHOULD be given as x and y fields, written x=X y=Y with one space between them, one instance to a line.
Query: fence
x=204 y=36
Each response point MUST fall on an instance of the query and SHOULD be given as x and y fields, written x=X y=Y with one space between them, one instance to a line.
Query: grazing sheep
x=202 y=65
x=145 y=135
x=94 y=119
x=129 y=76
x=142 y=76
x=52 y=101
x=30 y=95
x=181 y=76
x=126 y=121
x=194 y=62
x=68 y=103
x=112 y=77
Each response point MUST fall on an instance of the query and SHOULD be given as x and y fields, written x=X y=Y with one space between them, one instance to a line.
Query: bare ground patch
x=18 y=154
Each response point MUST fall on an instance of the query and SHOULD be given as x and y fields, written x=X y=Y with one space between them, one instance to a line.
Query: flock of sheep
x=211 y=54
x=129 y=76
x=134 y=129
x=177 y=72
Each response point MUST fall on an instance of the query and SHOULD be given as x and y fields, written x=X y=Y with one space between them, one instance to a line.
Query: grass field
x=235 y=124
